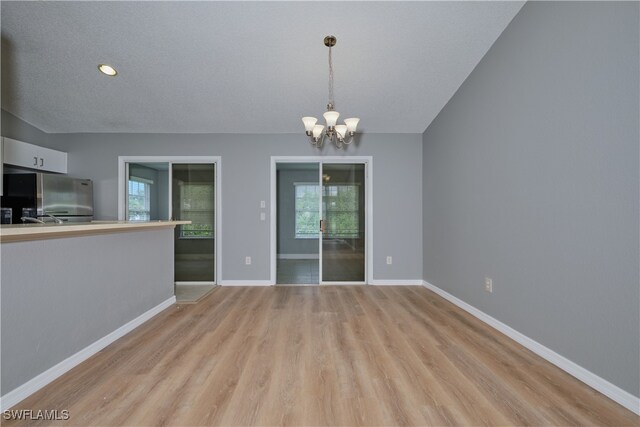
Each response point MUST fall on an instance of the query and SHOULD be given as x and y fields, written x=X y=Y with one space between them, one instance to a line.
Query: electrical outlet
x=488 y=285
x=263 y=204
x=389 y=260
x=262 y=216
x=247 y=260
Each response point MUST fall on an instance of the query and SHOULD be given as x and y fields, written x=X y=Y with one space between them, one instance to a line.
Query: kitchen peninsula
x=25 y=232
x=69 y=290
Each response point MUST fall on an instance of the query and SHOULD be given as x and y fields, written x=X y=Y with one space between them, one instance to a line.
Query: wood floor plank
x=428 y=344
x=423 y=388
x=323 y=355
x=283 y=403
x=537 y=379
x=210 y=405
x=477 y=372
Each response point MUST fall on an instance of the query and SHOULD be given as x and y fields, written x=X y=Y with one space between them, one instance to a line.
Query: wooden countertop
x=26 y=232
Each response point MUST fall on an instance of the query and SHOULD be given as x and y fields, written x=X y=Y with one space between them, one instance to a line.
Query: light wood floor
x=320 y=356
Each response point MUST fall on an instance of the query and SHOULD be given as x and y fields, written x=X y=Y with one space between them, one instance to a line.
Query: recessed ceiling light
x=107 y=69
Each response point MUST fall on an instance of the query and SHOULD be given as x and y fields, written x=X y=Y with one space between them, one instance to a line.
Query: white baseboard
x=408 y=282
x=247 y=283
x=298 y=256
x=25 y=390
x=195 y=283
x=610 y=390
x=403 y=282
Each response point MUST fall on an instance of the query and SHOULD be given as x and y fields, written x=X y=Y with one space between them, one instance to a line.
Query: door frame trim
x=368 y=162
x=217 y=160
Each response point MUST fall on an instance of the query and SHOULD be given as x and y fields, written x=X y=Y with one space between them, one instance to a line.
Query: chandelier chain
x=331 y=101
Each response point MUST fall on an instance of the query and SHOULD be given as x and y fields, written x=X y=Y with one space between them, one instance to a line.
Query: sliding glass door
x=193 y=199
x=321 y=223
x=181 y=188
x=298 y=223
x=343 y=224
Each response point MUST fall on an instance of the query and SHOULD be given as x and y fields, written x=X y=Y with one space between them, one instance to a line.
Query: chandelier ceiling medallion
x=338 y=134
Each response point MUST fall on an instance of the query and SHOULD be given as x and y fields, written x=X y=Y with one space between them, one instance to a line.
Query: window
x=197 y=206
x=307 y=211
x=139 y=202
x=340 y=206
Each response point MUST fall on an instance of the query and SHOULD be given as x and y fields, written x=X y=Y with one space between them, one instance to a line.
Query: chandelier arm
x=316 y=143
x=319 y=142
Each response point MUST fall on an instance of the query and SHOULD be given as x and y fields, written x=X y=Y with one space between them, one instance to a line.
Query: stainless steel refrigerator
x=48 y=197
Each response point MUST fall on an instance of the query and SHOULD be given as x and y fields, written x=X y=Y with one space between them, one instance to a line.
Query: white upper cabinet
x=23 y=154
x=52 y=160
x=19 y=153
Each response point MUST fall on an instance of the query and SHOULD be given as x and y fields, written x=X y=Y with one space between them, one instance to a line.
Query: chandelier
x=339 y=135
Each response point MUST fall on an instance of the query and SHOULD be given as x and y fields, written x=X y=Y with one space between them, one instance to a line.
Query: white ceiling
x=239 y=67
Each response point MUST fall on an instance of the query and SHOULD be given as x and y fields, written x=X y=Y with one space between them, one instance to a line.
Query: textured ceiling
x=239 y=67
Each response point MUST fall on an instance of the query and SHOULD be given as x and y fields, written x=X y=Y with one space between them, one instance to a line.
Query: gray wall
x=531 y=178
x=287 y=242
x=13 y=127
x=397 y=189
x=51 y=312
x=162 y=189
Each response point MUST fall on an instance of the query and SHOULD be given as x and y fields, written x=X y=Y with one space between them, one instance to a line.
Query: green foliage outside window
x=197 y=206
x=307 y=212
x=340 y=208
